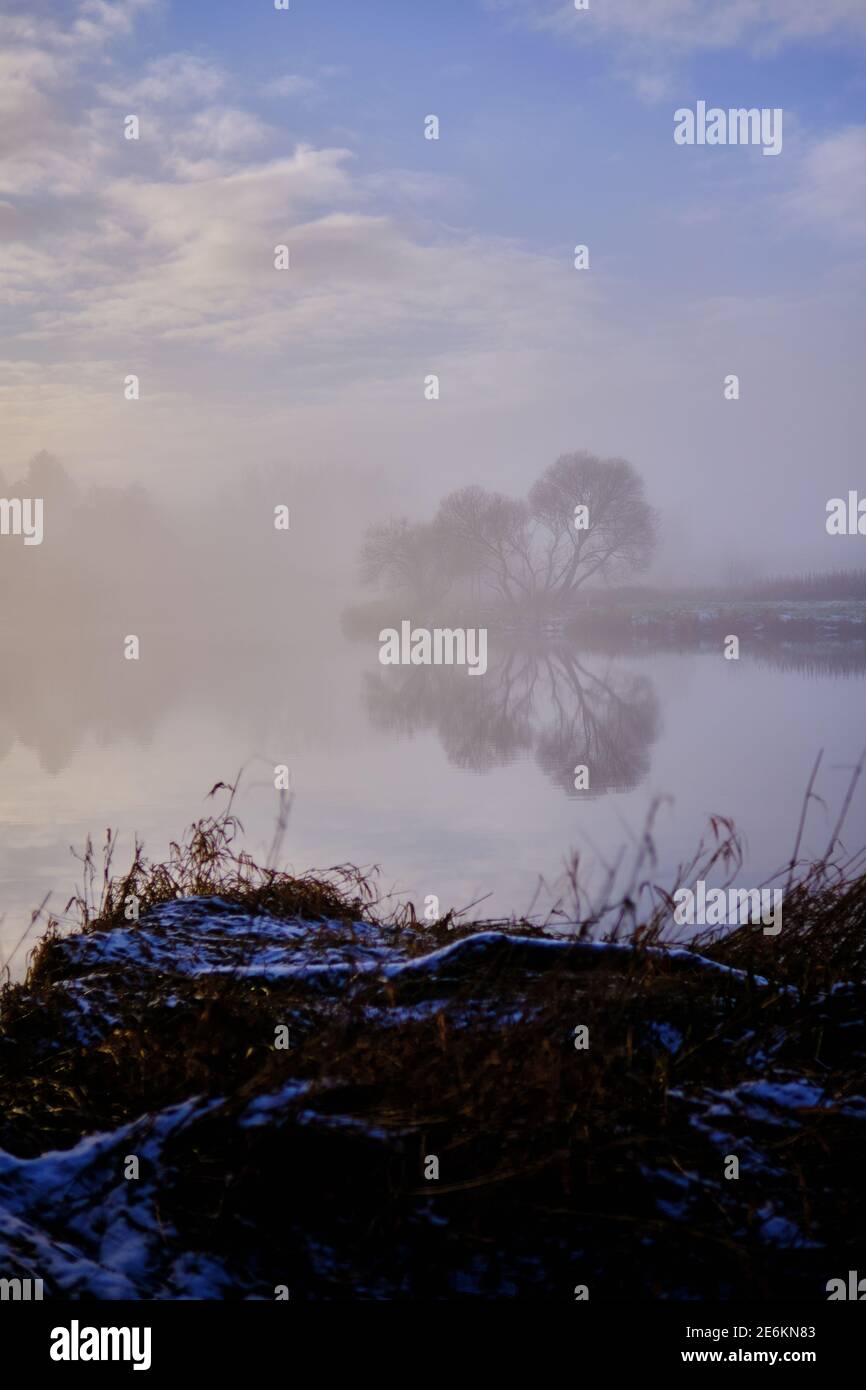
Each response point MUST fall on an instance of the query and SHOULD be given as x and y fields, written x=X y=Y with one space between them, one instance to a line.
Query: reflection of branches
x=544 y=702
x=828 y=658
x=481 y=724
x=608 y=725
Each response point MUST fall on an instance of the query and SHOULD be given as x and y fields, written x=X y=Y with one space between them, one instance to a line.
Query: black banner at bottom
x=163 y=1338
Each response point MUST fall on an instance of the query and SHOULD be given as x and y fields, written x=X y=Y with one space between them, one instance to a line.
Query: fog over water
x=153 y=258
x=403 y=768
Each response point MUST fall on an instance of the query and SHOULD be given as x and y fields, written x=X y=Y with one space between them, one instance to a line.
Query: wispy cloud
x=650 y=40
x=291 y=84
x=692 y=25
x=170 y=239
x=175 y=79
x=830 y=188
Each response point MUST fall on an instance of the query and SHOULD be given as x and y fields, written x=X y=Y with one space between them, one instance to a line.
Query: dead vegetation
x=558 y=1165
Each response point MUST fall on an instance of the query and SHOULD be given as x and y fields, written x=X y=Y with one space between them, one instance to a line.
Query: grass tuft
x=557 y=1165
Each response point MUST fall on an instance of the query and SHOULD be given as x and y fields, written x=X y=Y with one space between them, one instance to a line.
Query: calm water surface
x=455 y=785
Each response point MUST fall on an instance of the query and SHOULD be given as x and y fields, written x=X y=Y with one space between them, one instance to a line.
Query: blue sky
x=540 y=133
x=411 y=256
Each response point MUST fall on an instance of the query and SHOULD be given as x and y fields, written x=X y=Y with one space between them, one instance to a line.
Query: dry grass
x=557 y=1166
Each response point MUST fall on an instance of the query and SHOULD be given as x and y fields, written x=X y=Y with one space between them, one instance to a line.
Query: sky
x=410 y=256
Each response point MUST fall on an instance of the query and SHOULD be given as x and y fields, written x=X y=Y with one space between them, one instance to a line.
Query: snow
x=73 y=1219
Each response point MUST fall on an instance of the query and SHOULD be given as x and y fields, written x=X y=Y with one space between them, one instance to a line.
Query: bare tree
x=619 y=530
x=487 y=538
x=539 y=551
x=407 y=556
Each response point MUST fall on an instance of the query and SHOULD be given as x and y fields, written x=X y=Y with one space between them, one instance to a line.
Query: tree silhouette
x=585 y=518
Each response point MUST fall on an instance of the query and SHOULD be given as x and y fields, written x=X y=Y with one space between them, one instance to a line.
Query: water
x=456 y=786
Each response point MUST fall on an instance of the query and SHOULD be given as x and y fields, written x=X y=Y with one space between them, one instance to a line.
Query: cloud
x=45 y=143
x=220 y=131
x=104 y=21
x=651 y=86
x=93 y=23
x=176 y=79
x=124 y=247
x=193 y=262
x=291 y=84
x=830 y=191
x=649 y=38
x=692 y=25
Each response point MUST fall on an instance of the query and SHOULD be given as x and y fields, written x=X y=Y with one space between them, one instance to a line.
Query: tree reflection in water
x=545 y=702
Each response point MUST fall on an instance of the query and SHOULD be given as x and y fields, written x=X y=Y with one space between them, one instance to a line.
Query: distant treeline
x=834 y=584
x=830 y=586
x=116 y=553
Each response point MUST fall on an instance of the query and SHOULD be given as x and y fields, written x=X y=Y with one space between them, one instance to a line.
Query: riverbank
x=624 y=620
x=328 y=1104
